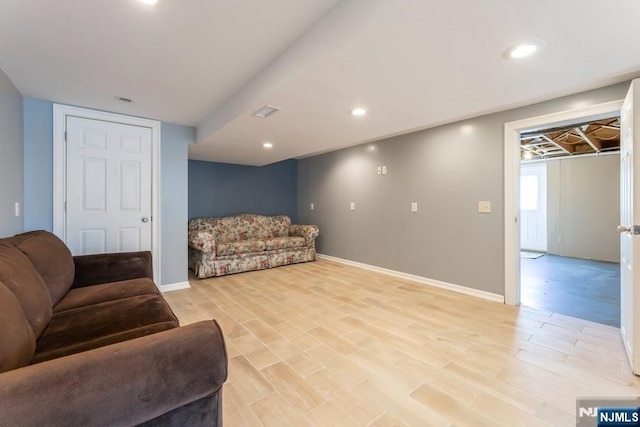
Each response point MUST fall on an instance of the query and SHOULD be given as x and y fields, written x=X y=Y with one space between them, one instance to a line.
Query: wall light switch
x=16 y=207
x=311 y=206
x=414 y=206
x=379 y=170
x=384 y=170
x=484 y=207
x=352 y=206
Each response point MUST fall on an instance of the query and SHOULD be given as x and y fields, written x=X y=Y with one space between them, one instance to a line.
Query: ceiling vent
x=266 y=111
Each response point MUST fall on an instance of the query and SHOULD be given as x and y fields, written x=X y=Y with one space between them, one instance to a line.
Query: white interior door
x=533 y=206
x=108 y=186
x=629 y=219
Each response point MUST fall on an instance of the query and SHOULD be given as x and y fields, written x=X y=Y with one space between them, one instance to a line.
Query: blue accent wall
x=221 y=189
x=38 y=164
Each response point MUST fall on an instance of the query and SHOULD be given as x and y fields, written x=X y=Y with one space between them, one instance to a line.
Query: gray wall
x=220 y=189
x=11 y=157
x=447 y=170
x=174 y=184
x=38 y=188
x=583 y=207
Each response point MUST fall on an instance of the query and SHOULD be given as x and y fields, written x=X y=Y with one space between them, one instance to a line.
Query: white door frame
x=512 y=181
x=60 y=113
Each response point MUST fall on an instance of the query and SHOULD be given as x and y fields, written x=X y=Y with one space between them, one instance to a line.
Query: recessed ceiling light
x=522 y=50
x=149 y=1
x=359 y=111
x=267 y=145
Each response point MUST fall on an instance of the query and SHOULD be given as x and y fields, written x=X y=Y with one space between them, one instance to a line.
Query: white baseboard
x=419 y=279
x=174 y=286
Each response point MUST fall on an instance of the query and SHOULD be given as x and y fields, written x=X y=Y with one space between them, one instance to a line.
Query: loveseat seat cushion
x=239 y=247
x=51 y=258
x=20 y=276
x=98 y=325
x=96 y=294
x=17 y=342
x=284 y=242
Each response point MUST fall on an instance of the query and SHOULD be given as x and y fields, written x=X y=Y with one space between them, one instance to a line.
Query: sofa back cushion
x=243 y=227
x=17 y=342
x=51 y=258
x=23 y=280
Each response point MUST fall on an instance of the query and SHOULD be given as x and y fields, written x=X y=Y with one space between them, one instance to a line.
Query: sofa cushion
x=96 y=294
x=17 y=342
x=20 y=276
x=284 y=242
x=51 y=258
x=239 y=247
x=98 y=325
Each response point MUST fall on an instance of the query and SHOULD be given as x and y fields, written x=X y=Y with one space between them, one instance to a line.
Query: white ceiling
x=211 y=63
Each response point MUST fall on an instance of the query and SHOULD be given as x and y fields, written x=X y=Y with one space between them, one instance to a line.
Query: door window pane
x=529 y=192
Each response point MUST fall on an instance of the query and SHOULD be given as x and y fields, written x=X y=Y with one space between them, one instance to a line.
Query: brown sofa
x=89 y=340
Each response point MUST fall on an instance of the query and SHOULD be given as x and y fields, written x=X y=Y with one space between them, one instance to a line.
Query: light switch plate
x=484 y=206
x=379 y=170
x=16 y=207
x=414 y=206
x=311 y=206
x=384 y=170
x=352 y=206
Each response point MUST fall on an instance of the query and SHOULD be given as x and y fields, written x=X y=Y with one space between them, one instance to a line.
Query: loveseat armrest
x=203 y=241
x=309 y=232
x=121 y=384
x=105 y=268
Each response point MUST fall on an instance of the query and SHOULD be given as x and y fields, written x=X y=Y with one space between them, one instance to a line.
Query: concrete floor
x=579 y=288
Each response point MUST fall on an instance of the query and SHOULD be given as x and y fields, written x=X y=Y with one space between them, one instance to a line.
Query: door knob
x=623 y=229
x=145 y=219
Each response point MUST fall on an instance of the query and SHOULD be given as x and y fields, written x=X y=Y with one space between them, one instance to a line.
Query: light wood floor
x=325 y=344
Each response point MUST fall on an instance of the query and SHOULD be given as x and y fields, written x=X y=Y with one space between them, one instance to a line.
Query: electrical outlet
x=311 y=206
x=484 y=207
x=352 y=206
x=414 y=206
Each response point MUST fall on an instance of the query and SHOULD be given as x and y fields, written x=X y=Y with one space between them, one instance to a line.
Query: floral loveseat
x=246 y=242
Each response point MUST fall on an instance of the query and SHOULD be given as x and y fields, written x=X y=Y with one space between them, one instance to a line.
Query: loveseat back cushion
x=51 y=257
x=20 y=276
x=17 y=342
x=244 y=227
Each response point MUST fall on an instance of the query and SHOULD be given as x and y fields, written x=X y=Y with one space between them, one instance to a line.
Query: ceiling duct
x=266 y=111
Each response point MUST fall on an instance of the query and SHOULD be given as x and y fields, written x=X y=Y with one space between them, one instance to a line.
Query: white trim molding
x=512 y=178
x=174 y=287
x=60 y=114
x=419 y=279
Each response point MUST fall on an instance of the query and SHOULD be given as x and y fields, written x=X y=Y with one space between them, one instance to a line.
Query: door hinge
x=65 y=136
x=636 y=229
x=65 y=206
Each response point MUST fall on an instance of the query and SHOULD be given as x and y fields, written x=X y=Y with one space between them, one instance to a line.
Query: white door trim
x=512 y=178
x=60 y=113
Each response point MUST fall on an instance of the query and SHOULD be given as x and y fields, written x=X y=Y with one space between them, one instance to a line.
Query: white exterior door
x=108 y=186
x=630 y=216
x=533 y=206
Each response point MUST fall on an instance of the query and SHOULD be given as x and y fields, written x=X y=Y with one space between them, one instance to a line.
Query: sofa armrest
x=105 y=268
x=203 y=241
x=309 y=232
x=121 y=384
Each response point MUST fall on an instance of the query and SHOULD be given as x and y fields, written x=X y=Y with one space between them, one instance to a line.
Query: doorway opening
x=513 y=158
x=569 y=210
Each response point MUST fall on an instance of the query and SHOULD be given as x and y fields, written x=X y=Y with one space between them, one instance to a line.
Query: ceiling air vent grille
x=266 y=111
